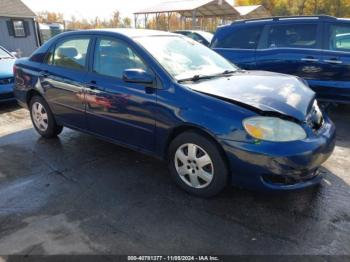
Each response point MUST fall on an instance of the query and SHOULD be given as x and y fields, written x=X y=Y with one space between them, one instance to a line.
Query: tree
x=50 y=17
x=339 y=8
x=115 y=20
x=127 y=22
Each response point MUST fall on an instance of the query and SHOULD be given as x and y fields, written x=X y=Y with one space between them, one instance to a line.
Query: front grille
x=315 y=118
x=6 y=81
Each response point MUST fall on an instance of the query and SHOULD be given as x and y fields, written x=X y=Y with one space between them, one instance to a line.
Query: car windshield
x=4 y=54
x=184 y=58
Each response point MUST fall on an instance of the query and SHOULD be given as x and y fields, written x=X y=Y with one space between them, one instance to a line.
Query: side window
x=243 y=38
x=112 y=57
x=71 y=54
x=339 y=38
x=292 y=36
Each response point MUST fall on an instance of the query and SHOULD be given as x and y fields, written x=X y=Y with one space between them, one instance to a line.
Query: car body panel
x=126 y=107
x=62 y=91
x=146 y=118
x=266 y=91
x=268 y=159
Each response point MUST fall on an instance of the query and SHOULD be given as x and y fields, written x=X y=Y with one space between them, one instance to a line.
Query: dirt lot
x=78 y=194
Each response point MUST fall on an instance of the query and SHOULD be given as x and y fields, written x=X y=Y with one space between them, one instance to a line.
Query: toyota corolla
x=168 y=96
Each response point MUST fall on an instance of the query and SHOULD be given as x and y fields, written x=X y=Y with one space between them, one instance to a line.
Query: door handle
x=333 y=61
x=309 y=59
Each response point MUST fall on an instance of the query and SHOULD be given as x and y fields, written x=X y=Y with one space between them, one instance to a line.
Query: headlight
x=273 y=129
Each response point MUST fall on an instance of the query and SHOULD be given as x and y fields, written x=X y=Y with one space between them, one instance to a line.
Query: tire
x=204 y=172
x=42 y=118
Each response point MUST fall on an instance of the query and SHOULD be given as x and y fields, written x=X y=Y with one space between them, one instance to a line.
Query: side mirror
x=139 y=76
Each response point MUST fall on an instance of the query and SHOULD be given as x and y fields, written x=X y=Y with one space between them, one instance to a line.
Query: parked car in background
x=314 y=48
x=7 y=60
x=197 y=35
x=171 y=97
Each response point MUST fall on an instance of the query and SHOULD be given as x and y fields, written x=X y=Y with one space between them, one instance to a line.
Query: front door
x=116 y=109
x=64 y=77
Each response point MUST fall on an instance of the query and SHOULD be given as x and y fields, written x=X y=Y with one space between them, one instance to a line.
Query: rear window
x=292 y=36
x=242 y=38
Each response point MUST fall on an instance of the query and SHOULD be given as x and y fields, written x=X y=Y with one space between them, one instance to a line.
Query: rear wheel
x=197 y=165
x=43 y=119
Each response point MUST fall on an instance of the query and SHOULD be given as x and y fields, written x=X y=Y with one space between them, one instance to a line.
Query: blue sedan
x=168 y=96
x=7 y=60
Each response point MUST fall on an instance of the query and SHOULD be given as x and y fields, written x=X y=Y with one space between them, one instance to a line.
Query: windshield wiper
x=228 y=72
x=196 y=78
x=200 y=77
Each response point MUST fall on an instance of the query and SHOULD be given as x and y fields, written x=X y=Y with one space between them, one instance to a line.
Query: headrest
x=67 y=52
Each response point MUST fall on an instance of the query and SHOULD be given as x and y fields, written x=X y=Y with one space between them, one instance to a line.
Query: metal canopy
x=202 y=8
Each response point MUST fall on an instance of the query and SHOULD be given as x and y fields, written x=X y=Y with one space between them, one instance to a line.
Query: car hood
x=6 y=67
x=264 y=91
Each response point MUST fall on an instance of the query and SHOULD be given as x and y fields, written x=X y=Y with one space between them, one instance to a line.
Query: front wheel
x=43 y=119
x=197 y=164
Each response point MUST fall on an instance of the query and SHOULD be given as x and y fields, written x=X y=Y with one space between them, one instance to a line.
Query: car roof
x=266 y=20
x=128 y=32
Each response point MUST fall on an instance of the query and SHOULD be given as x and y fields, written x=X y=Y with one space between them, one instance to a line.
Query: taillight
x=14 y=70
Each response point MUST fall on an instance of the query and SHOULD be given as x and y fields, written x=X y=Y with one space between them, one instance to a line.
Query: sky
x=90 y=8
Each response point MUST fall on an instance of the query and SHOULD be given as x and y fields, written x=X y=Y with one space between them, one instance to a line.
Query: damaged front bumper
x=280 y=165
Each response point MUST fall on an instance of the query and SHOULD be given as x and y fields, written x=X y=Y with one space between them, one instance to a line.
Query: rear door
x=292 y=48
x=238 y=45
x=116 y=109
x=336 y=78
x=64 y=76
